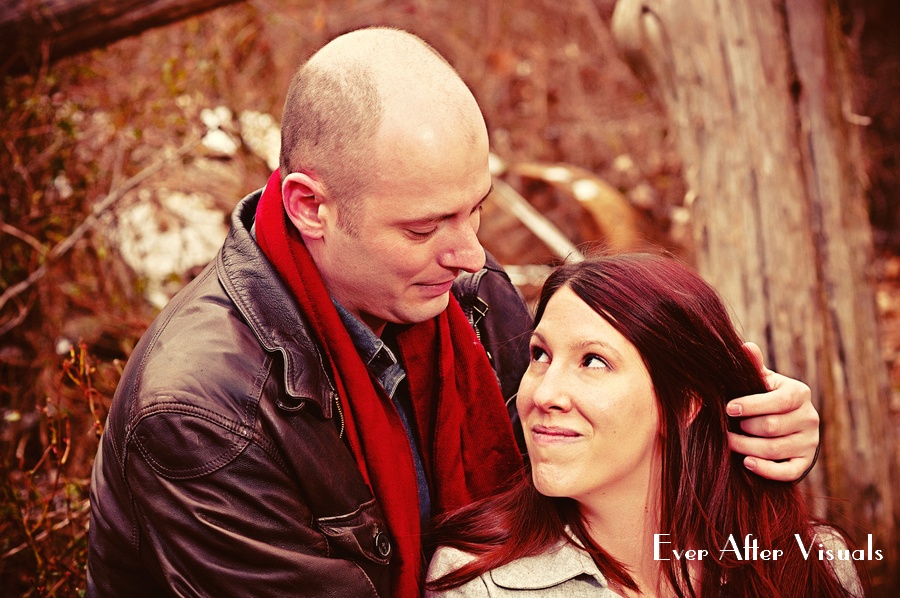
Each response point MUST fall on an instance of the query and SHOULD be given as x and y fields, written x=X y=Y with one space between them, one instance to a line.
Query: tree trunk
x=758 y=94
x=35 y=31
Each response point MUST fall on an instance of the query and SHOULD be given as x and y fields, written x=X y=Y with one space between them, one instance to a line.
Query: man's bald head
x=346 y=93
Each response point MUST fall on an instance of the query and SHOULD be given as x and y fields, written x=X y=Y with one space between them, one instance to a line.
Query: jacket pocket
x=360 y=532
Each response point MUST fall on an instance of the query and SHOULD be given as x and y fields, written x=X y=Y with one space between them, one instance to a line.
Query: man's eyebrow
x=441 y=217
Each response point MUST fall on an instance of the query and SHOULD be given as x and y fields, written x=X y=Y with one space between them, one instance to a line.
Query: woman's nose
x=549 y=390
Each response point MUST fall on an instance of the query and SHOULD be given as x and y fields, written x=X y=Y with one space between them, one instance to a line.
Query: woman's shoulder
x=564 y=570
x=844 y=569
x=447 y=559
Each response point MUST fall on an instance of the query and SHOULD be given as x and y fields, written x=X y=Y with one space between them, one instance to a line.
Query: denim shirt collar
x=379 y=358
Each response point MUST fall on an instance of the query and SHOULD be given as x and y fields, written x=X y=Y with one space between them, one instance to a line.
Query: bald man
x=337 y=375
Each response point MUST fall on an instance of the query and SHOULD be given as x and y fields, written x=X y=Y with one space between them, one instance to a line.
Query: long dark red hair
x=683 y=332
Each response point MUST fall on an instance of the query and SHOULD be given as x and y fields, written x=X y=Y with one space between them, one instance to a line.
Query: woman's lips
x=553 y=434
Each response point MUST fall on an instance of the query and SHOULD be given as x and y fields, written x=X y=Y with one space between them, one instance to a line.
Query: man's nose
x=465 y=252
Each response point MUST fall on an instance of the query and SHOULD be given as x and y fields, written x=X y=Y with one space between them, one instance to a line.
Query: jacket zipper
x=480 y=308
x=340 y=410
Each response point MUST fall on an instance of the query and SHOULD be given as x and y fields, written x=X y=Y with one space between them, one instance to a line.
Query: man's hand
x=783 y=423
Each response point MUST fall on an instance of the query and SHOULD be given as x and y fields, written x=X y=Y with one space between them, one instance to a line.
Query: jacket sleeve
x=216 y=512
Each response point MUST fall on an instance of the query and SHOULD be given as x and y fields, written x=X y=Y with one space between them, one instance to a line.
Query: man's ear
x=303 y=199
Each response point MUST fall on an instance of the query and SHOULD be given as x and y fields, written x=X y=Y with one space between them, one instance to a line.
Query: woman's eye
x=594 y=361
x=538 y=354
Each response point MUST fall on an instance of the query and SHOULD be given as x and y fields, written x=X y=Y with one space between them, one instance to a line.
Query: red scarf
x=464 y=430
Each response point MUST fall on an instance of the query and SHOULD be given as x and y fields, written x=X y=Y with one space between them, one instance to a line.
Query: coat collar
x=563 y=562
x=270 y=311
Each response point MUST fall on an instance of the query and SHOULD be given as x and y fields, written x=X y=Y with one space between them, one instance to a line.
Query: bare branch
x=510 y=200
x=15 y=320
x=9 y=229
x=88 y=223
x=53 y=29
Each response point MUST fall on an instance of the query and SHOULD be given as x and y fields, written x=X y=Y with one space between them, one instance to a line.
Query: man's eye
x=594 y=361
x=538 y=354
x=421 y=234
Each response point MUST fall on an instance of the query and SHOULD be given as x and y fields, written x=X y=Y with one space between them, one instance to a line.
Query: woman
x=633 y=488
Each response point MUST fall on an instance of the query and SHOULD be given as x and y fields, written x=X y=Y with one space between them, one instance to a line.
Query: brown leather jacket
x=222 y=471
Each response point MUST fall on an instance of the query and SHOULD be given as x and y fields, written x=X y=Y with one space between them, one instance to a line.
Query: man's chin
x=428 y=309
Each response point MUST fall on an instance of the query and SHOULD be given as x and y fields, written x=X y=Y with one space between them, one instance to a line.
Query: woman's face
x=587 y=406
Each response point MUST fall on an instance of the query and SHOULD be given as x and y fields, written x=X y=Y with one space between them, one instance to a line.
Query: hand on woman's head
x=782 y=423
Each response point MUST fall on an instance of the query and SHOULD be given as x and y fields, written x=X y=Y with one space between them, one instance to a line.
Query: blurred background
x=128 y=134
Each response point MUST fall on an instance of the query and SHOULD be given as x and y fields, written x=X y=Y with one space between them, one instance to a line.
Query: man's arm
x=782 y=423
x=233 y=525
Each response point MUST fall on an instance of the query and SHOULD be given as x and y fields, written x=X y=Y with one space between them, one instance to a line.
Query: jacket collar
x=269 y=310
x=556 y=566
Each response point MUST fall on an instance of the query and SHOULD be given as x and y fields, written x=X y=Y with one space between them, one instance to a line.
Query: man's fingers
x=760 y=451
x=755 y=353
x=781 y=424
x=780 y=471
x=769 y=449
x=786 y=394
x=796 y=447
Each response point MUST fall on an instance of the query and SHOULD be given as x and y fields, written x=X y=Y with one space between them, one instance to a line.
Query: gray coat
x=566 y=571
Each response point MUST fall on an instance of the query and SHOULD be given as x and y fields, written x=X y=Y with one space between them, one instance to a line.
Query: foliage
x=45 y=507
x=70 y=134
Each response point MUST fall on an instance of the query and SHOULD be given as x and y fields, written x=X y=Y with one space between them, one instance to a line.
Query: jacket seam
x=242 y=430
x=132 y=421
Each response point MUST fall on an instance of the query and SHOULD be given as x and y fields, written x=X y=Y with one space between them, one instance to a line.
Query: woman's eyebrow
x=583 y=345
x=588 y=344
